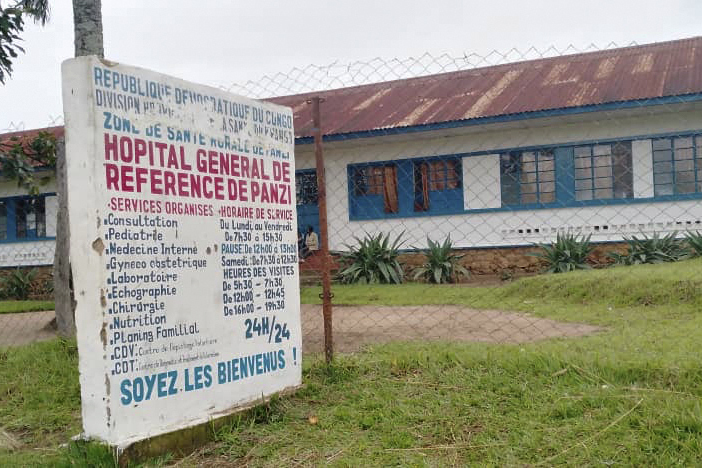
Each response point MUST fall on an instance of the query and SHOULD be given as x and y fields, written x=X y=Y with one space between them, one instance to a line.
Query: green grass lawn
x=11 y=307
x=629 y=395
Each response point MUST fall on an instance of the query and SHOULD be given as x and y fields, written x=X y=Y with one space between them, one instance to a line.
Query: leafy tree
x=19 y=160
x=12 y=21
x=16 y=162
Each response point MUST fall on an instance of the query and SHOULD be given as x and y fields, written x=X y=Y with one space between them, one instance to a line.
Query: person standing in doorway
x=301 y=247
x=311 y=240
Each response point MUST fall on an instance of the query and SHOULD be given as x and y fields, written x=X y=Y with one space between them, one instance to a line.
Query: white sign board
x=183 y=249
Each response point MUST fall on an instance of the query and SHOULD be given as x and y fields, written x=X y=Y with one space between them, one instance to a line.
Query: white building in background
x=28 y=223
x=606 y=143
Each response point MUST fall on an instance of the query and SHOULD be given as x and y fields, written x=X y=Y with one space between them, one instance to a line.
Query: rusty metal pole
x=324 y=231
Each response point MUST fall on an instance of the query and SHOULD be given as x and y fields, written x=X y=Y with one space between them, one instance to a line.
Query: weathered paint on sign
x=183 y=249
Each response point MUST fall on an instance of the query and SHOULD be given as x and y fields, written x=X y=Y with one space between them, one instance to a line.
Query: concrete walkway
x=26 y=327
x=357 y=326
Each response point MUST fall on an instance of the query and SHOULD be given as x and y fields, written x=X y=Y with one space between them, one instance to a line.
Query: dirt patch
x=357 y=326
x=8 y=442
x=26 y=327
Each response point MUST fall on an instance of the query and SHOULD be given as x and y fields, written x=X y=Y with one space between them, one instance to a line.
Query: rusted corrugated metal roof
x=650 y=71
x=626 y=74
x=25 y=137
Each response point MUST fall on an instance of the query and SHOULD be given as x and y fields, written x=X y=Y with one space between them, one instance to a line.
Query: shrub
x=372 y=260
x=694 y=242
x=568 y=253
x=441 y=266
x=18 y=284
x=654 y=249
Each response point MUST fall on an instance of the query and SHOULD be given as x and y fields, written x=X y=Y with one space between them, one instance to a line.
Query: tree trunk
x=87 y=25
x=63 y=287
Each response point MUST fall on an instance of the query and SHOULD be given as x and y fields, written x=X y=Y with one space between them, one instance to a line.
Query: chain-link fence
x=462 y=174
x=440 y=201
x=485 y=156
x=27 y=238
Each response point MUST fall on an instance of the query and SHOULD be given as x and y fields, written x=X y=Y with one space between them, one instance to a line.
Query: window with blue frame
x=22 y=218
x=374 y=190
x=603 y=171
x=528 y=177
x=30 y=217
x=677 y=165
x=406 y=187
x=3 y=220
x=437 y=185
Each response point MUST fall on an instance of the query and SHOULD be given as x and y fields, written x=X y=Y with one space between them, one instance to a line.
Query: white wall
x=36 y=253
x=481 y=184
x=9 y=188
x=642 y=165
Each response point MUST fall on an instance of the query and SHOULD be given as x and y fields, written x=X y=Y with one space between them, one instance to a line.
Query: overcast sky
x=228 y=41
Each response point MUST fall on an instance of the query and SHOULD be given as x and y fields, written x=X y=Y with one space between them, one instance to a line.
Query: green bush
x=372 y=260
x=441 y=266
x=568 y=253
x=654 y=249
x=18 y=284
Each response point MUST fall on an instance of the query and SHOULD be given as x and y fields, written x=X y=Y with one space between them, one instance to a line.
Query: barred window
x=441 y=175
x=677 y=165
x=30 y=217
x=3 y=220
x=368 y=180
x=528 y=177
x=379 y=180
x=603 y=171
x=306 y=187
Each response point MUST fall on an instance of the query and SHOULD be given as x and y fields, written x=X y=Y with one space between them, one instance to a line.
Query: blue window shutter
x=565 y=175
x=11 y=219
x=405 y=187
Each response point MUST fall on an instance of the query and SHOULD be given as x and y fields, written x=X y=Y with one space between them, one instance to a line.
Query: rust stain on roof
x=413 y=117
x=367 y=103
x=554 y=74
x=644 y=64
x=605 y=68
x=491 y=94
x=582 y=95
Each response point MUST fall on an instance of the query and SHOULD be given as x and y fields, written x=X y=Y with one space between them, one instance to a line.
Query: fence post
x=324 y=231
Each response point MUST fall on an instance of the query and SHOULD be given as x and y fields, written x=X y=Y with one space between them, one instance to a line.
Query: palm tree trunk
x=87 y=24
x=63 y=286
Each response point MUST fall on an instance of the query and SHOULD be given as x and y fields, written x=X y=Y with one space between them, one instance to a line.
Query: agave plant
x=568 y=253
x=18 y=284
x=372 y=260
x=694 y=242
x=441 y=265
x=654 y=249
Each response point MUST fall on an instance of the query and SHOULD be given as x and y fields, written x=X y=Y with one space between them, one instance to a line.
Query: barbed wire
x=20 y=126
x=339 y=74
